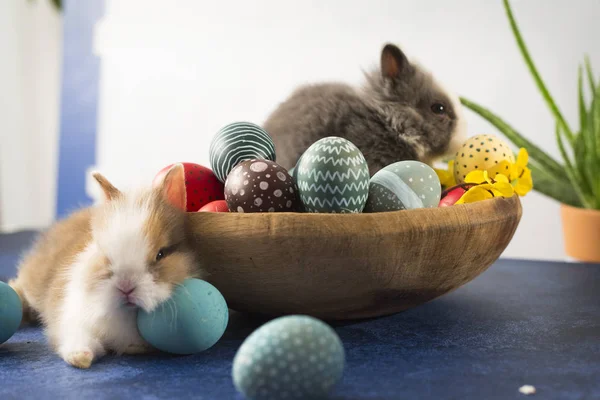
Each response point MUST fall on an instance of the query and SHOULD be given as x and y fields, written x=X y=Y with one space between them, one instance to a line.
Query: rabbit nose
x=126 y=287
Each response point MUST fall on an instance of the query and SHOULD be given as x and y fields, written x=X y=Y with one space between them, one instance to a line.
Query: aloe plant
x=574 y=180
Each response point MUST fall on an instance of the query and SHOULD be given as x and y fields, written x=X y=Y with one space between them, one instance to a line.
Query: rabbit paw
x=80 y=358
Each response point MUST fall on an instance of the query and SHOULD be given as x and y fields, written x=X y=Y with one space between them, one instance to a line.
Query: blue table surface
x=520 y=322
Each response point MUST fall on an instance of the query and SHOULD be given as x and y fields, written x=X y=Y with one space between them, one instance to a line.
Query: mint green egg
x=11 y=312
x=333 y=177
x=404 y=185
x=192 y=320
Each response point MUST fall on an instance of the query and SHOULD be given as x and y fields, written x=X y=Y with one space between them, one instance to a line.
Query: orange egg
x=480 y=152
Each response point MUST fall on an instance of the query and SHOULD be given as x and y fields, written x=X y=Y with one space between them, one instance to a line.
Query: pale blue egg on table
x=192 y=320
x=332 y=177
x=11 y=312
x=291 y=357
x=403 y=185
x=237 y=142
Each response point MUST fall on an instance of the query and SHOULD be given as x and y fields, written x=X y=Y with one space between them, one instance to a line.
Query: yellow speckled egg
x=480 y=152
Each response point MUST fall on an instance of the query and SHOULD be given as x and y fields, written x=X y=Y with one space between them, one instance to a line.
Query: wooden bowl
x=348 y=266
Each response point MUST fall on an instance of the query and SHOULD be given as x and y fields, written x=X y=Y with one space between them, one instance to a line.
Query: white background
x=30 y=59
x=174 y=72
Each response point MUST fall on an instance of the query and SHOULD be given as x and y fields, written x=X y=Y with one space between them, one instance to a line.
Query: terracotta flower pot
x=581 y=229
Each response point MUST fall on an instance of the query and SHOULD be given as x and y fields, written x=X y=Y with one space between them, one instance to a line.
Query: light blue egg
x=237 y=142
x=192 y=320
x=403 y=185
x=291 y=357
x=11 y=312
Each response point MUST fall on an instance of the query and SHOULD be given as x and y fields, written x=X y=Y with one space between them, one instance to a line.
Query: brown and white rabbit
x=401 y=113
x=87 y=275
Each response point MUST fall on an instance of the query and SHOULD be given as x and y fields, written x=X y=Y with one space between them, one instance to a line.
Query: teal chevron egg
x=238 y=142
x=290 y=357
x=333 y=177
x=11 y=312
x=403 y=185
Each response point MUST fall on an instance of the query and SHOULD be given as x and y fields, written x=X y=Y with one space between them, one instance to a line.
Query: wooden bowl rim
x=486 y=207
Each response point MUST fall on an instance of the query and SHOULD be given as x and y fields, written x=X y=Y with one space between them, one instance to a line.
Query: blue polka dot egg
x=291 y=357
x=237 y=142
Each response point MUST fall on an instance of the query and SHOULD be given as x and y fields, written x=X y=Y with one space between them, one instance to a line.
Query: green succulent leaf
x=594 y=125
x=548 y=185
x=571 y=171
x=583 y=112
x=534 y=72
x=590 y=74
x=593 y=150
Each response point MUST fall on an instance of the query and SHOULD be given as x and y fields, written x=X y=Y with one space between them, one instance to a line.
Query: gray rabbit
x=401 y=113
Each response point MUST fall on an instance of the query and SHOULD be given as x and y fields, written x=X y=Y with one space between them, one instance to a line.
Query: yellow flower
x=476 y=193
x=524 y=183
x=504 y=168
x=520 y=164
x=486 y=187
x=502 y=180
x=520 y=175
x=446 y=177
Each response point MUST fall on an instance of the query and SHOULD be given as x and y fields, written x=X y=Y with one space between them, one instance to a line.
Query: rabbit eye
x=166 y=251
x=438 y=108
x=161 y=254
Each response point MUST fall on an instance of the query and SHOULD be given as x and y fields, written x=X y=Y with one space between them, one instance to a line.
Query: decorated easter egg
x=294 y=170
x=333 y=177
x=480 y=152
x=237 y=142
x=261 y=186
x=192 y=320
x=11 y=312
x=201 y=185
x=215 y=206
x=451 y=195
x=291 y=357
x=403 y=185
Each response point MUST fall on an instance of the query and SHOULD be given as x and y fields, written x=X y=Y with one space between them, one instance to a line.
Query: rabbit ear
x=110 y=192
x=393 y=62
x=172 y=186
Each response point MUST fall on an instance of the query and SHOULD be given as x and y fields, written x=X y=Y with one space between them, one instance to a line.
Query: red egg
x=201 y=185
x=215 y=206
x=451 y=195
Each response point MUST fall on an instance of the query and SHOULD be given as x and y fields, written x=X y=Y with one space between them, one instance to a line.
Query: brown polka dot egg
x=480 y=152
x=261 y=186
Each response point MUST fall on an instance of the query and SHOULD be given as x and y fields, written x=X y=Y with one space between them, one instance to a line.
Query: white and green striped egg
x=237 y=142
x=333 y=177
